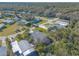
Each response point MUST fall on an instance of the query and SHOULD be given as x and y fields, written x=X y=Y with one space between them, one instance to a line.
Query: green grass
x=7 y=25
x=41 y=22
x=40 y=29
x=0 y=42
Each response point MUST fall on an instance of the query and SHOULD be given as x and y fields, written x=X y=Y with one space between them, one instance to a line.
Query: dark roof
x=36 y=20
x=17 y=53
x=40 y=37
x=34 y=53
x=3 y=51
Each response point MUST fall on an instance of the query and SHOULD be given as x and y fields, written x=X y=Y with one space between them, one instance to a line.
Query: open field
x=9 y=30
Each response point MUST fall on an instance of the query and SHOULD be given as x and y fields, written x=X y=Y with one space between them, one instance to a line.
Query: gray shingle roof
x=8 y=21
x=3 y=51
x=40 y=37
x=24 y=45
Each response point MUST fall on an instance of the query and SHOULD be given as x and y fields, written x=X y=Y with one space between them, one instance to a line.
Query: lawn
x=0 y=43
x=0 y=21
x=40 y=29
x=42 y=22
x=9 y=30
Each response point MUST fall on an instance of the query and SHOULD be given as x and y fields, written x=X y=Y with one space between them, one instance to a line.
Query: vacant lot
x=9 y=30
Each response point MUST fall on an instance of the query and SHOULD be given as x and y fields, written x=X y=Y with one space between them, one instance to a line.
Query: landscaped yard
x=9 y=30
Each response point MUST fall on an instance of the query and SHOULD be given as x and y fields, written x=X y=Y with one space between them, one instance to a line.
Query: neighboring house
x=27 y=48
x=36 y=20
x=29 y=12
x=16 y=18
x=1 y=16
x=63 y=23
x=3 y=51
x=2 y=26
x=58 y=25
x=23 y=48
x=39 y=37
x=8 y=21
x=23 y=22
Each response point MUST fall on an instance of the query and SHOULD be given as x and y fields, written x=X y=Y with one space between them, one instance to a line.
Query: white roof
x=15 y=47
x=42 y=26
x=63 y=23
x=28 y=51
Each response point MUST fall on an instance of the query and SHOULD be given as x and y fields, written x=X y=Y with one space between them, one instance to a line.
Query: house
x=58 y=25
x=27 y=48
x=29 y=12
x=3 y=51
x=39 y=37
x=63 y=23
x=23 y=48
x=54 y=27
x=36 y=20
x=8 y=21
x=23 y=22
x=2 y=26
x=16 y=18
